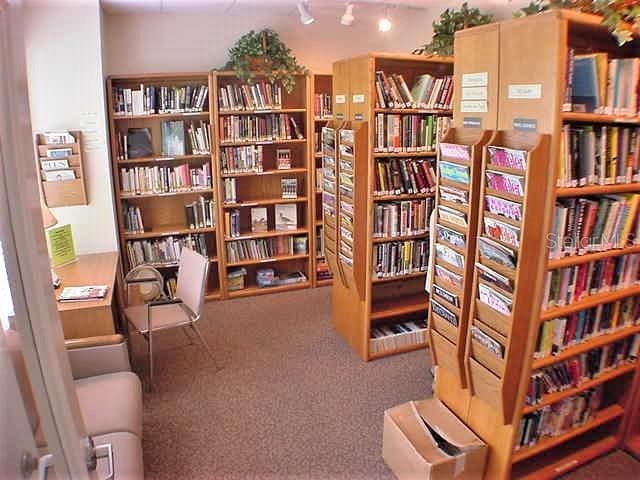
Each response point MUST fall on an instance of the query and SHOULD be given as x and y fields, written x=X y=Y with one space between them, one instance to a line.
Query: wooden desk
x=89 y=319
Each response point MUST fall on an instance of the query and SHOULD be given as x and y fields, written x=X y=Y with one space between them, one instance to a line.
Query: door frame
x=27 y=260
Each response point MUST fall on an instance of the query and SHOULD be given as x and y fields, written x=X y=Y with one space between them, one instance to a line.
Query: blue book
x=585 y=83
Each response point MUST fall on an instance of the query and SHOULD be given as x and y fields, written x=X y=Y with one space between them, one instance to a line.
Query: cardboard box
x=445 y=449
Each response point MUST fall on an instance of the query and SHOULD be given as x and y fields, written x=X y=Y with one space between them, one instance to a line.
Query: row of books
x=137 y=142
x=141 y=180
x=160 y=99
x=404 y=175
x=598 y=84
x=584 y=367
x=201 y=213
x=561 y=333
x=598 y=155
x=322 y=270
x=583 y=224
x=132 y=215
x=322 y=106
x=428 y=92
x=264 y=248
x=397 y=335
x=165 y=251
x=410 y=217
x=263 y=128
x=571 y=284
x=288 y=189
x=408 y=133
x=241 y=159
x=557 y=418
x=394 y=259
x=259 y=95
x=285 y=214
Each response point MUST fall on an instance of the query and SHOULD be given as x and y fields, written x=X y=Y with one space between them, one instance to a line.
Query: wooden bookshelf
x=321 y=84
x=532 y=54
x=360 y=301
x=263 y=189
x=163 y=213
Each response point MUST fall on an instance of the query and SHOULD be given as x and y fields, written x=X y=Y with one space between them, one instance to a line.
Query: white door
x=17 y=444
x=38 y=403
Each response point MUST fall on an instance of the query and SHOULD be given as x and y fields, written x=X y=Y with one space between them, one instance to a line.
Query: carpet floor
x=285 y=399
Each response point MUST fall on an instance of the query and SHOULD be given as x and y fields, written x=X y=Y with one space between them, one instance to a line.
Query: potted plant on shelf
x=263 y=52
x=452 y=20
x=622 y=17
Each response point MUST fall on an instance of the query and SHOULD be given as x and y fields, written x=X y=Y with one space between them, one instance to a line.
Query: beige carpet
x=290 y=401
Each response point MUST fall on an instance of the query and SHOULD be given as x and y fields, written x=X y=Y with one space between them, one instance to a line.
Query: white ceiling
x=287 y=7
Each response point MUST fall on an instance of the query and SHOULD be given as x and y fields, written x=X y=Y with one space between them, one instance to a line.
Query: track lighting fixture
x=347 y=18
x=305 y=13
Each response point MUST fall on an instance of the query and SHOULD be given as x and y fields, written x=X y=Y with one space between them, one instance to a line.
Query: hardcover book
x=139 y=143
x=259 y=219
x=286 y=216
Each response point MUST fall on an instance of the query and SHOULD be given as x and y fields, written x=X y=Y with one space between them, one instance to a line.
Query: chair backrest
x=192 y=279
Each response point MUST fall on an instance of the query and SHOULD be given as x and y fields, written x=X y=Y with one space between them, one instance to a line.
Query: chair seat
x=111 y=403
x=162 y=316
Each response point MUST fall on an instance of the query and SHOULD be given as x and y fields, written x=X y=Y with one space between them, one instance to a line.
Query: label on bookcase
x=341 y=99
x=473 y=106
x=525 y=124
x=478 y=79
x=472 y=122
x=340 y=116
x=474 y=93
x=358 y=117
x=525 y=92
x=358 y=98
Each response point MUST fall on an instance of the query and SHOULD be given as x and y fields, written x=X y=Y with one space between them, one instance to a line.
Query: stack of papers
x=79 y=294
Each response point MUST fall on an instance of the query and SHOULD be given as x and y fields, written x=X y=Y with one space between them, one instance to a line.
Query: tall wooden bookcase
x=264 y=189
x=523 y=63
x=361 y=302
x=163 y=213
x=321 y=85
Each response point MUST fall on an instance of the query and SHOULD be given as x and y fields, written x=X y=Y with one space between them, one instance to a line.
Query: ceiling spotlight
x=347 y=18
x=384 y=24
x=305 y=14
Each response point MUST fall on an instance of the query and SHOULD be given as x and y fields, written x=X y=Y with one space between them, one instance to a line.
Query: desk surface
x=91 y=269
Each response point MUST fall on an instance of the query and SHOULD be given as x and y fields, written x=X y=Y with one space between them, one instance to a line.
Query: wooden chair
x=182 y=311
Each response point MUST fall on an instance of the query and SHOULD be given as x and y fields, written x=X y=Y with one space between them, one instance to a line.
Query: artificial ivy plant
x=265 y=53
x=622 y=17
x=452 y=20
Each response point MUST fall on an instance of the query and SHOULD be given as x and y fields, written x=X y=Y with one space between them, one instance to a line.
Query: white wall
x=66 y=91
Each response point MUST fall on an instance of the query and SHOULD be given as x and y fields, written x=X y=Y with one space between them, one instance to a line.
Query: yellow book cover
x=632 y=206
x=613 y=153
x=615 y=315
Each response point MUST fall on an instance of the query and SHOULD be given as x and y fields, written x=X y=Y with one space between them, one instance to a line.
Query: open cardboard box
x=425 y=440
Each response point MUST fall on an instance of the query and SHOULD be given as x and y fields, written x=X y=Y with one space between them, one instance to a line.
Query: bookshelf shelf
x=281 y=258
x=565 y=462
x=166 y=194
x=589 y=301
x=402 y=196
x=391 y=307
x=404 y=154
x=426 y=111
x=160 y=159
x=590 y=257
x=603 y=378
x=262 y=142
x=253 y=290
x=398 y=278
x=324 y=282
x=267 y=234
x=264 y=201
x=591 y=343
x=258 y=112
x=399 y=237
x=396 y=351
x=598 y=118
x=158 y=116
x=562 y=192
x=169 y=230
x=605 y=415
x=290 y=171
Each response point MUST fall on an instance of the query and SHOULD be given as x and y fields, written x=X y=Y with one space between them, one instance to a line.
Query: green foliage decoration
x=264 y=53
x=452 y=20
